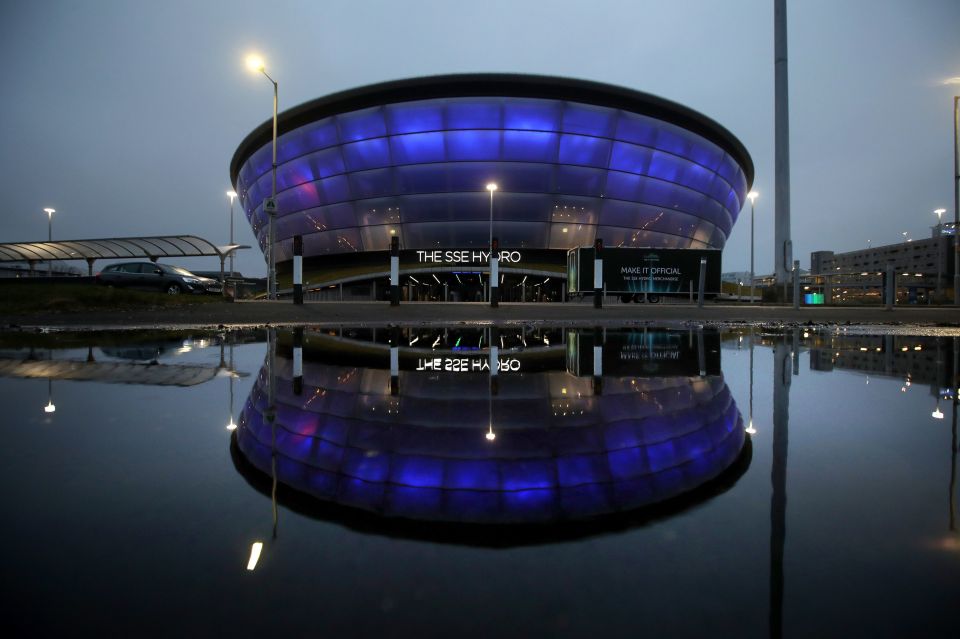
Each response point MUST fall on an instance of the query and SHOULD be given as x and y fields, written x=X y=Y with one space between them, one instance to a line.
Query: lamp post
x=753 y=198
x=231 y=195
x=939 y=213
x=49 y=213
x=492 y=186
x=956 y=199
x=255 y=63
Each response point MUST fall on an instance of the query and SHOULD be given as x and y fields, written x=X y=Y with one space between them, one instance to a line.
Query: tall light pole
x=492 y=186
x=255 y=63
x=231 y=195
x=753 y=198
x=939 y=213
x=49 y=213
x=956 y=198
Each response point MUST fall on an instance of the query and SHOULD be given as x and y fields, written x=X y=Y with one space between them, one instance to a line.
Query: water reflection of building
x=916 y=359
x=560 y=450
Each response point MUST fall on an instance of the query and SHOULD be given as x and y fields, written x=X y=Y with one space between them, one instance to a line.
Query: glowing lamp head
x=492 y=187
x=255 y=63
x=752 y=196
x=50 y=408
x=232 y=425
x=231 y=195
x=937 y=414
x=49 y=211
x=491 y=435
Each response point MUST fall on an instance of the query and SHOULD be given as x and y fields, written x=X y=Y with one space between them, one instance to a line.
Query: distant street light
x=256 y=64
x=753 y=198
x=231 y=195
x=904 y=234
x=49 y=213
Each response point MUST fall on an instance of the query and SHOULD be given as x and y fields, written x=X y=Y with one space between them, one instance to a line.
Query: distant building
x=919 y=261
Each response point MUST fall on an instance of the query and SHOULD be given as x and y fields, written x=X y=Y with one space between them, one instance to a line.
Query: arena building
x=572 y=161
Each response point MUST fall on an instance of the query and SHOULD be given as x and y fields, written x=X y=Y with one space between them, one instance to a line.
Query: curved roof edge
x=500 y=85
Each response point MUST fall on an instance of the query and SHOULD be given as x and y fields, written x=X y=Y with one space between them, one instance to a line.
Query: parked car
x=162 y=277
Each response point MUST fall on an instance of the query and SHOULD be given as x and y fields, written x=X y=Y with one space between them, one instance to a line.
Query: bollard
x=703 y=278
x=298 y=360
x=597 y=273
x=394 y=271
x=796 y=285
x=494 y=273
x=298 y=269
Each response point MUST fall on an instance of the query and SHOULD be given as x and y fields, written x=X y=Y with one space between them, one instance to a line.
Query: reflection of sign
x=464 y=256
x=465 y=364
x=270 y=205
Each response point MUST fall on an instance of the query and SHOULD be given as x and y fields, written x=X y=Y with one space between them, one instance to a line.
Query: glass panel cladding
x=339 y=241
x=433 y=158
x=588 y=119
x=565 y=235
x=413 y=117
x=361 y=125
x=584 y=150
x=415 y=148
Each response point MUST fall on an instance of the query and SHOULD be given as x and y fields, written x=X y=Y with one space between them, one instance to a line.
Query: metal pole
x=703 y=276
x=494 y=272
x=271 y=216
x=394 y=271
x=956 y=203
x=231 y=239
x=781 y=144
x=796 y=285
x=751 y=249
x=490 y=245
x=49 y=240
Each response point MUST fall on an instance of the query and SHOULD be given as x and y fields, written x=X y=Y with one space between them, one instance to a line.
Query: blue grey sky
x=124 y=114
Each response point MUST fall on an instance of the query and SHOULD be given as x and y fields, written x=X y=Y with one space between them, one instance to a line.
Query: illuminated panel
x=408 y=154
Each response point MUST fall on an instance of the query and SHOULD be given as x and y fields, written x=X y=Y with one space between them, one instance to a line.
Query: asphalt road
x=381 y=314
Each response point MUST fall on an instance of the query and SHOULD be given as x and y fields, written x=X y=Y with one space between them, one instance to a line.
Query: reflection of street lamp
x=231 y=195
x=255 y=551
x=256 y=63
x=49 y=408
x=750 y=429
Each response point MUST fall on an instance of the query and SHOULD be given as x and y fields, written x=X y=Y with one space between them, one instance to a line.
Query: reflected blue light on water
x=645 y=508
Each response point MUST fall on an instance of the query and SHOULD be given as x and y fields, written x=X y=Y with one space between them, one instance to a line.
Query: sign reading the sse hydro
x=640 y=270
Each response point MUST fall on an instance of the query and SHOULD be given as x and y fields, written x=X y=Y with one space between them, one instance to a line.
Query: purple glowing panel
x=452 y=147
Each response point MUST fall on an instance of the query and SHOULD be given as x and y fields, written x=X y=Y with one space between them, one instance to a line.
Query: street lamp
x=49 y=213
x=904 y=234
x=231 y=195
x=256 y=64
x=492 y=186
x=753 y=198
x=956 y=194
x=939 y=213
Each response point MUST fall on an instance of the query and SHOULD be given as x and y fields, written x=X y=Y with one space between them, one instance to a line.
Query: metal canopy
x=114 y=248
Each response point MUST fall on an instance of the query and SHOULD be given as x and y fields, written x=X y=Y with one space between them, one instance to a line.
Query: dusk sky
x=123 y=115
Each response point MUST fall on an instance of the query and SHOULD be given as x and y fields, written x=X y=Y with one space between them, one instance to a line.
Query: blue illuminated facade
x=573 y=161
x=560 y=453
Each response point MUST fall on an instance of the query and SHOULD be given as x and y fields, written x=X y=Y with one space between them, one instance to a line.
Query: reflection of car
x=163 y=277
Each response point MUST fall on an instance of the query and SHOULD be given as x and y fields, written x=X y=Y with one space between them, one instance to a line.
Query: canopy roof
x=114 y=248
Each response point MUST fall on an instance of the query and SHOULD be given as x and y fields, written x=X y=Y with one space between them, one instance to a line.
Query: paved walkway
x=381 y=313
